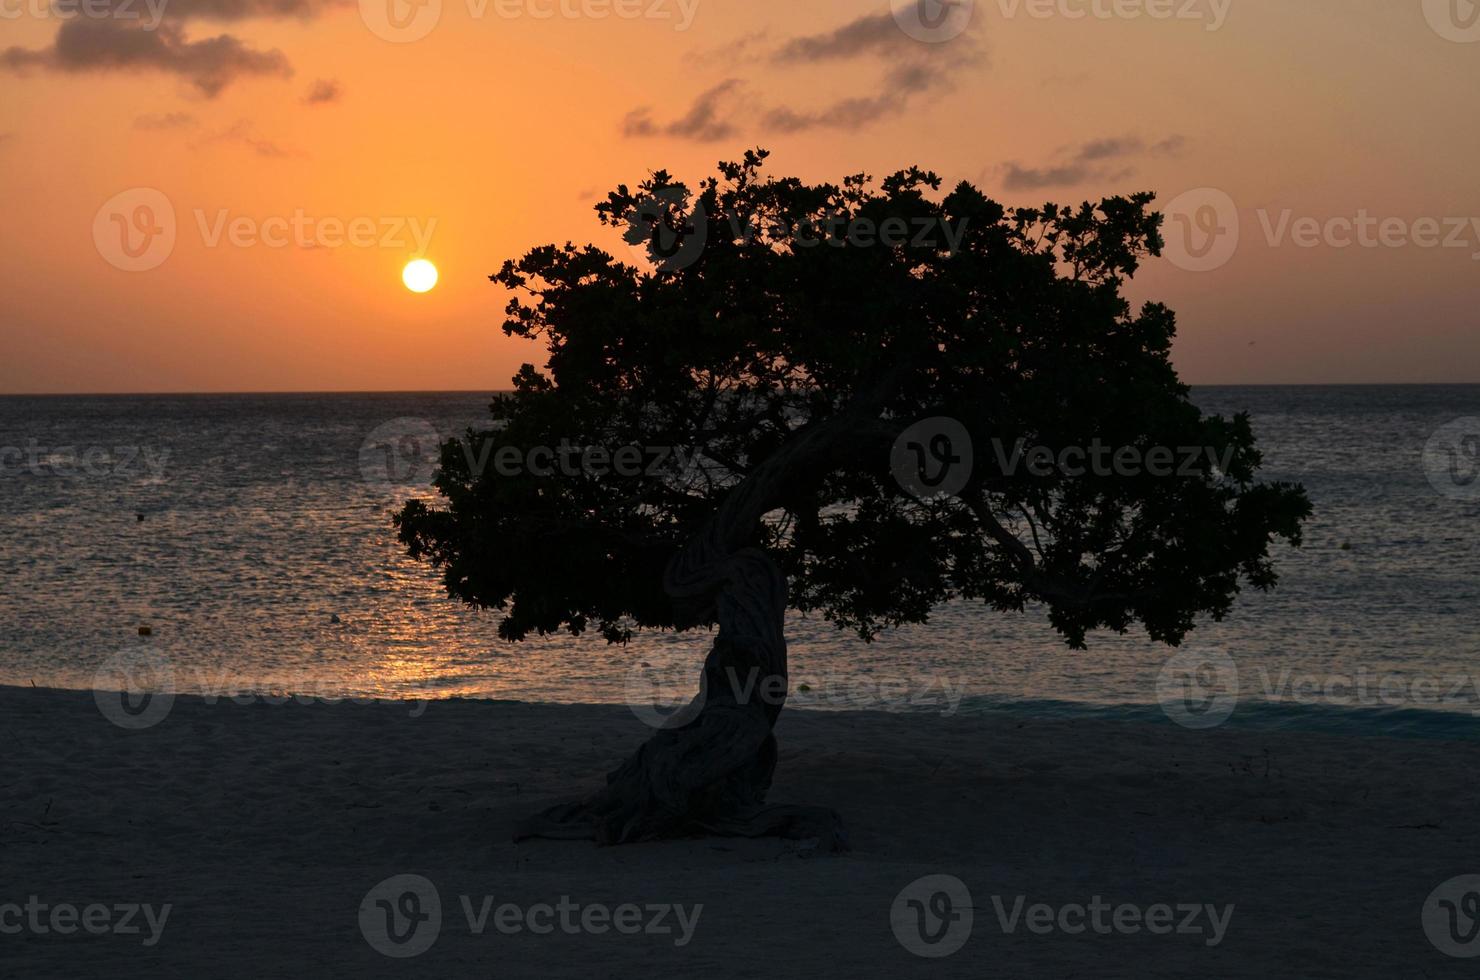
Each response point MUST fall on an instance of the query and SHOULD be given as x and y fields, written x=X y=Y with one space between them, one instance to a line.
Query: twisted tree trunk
x=709 y=772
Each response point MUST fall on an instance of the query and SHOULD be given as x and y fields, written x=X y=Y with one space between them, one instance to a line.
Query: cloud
x=170 y=120
x=150 y=35
x=1169 y=147
x=243 y=133
x=901 y=86
x=220 y=11
x=871 y=34
x=1109 y=149
x=1089 y=161
x=232 y=10
x=913 y=70
x=704 y=121
x=755 y=46
x=88 y=45
x=1018 y=178
x=324 y=90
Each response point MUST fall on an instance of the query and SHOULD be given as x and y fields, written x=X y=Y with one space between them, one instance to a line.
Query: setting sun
x=419 y=275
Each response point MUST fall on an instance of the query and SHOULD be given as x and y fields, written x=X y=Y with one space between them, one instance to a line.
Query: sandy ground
x=265 y=828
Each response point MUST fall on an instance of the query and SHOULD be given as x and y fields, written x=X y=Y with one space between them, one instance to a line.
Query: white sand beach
x=264 y=828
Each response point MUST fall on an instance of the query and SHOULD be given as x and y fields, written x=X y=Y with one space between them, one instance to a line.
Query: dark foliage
x=767 y=312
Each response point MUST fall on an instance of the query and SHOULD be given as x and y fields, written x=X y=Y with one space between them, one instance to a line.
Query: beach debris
x=334 y=618
x=146 y=631
x=140 y=518
x=1346 y=546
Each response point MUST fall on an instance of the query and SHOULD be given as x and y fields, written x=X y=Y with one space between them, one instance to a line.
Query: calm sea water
x=265 y=562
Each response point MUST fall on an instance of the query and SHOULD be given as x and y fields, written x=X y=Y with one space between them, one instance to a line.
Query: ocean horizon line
x=285 y=392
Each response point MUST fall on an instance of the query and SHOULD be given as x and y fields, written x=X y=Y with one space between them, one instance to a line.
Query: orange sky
x=496 y=132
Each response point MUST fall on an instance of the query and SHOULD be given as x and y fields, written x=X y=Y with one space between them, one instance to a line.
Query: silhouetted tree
x=783 y=347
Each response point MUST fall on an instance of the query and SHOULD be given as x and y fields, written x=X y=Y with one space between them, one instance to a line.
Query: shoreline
x=1252 y=715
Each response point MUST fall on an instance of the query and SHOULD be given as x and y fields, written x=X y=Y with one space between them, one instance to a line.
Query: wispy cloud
x=243 y=133
x=169 y=120
x=231 y=10
x=1101 y=159
x=707 y=119
x=912 y=71
x=873 y=34
x=902 y=85
x=747 y=48
x=324 y=91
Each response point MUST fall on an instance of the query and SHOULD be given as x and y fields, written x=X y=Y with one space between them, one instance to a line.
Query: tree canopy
x=775 y=319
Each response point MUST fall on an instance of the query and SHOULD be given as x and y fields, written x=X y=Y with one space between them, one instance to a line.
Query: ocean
x=249 y=535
